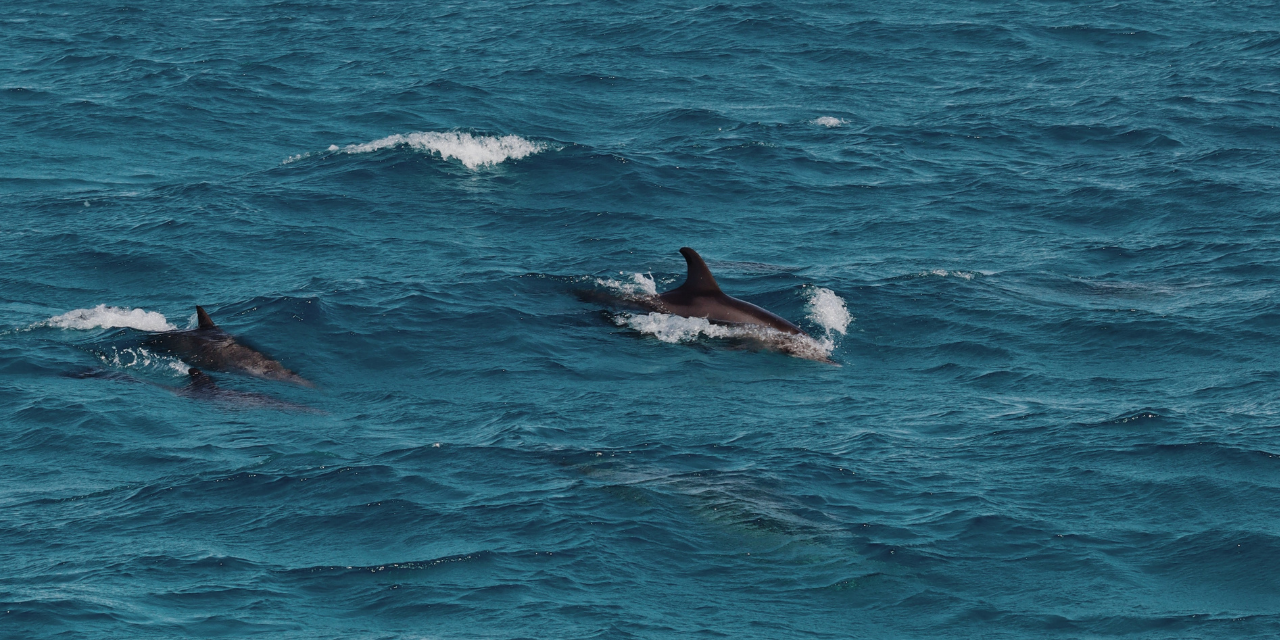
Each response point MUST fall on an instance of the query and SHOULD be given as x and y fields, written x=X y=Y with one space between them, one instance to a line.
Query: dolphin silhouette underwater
x=701 y=297
x=199 y=387
x=209 y=346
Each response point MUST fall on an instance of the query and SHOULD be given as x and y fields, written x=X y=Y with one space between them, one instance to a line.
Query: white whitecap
x=473 y=151
x=828 y=121
x=942 y=273
x=104 y=317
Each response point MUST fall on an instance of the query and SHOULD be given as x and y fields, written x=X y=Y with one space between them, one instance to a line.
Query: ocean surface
x=1036 y=246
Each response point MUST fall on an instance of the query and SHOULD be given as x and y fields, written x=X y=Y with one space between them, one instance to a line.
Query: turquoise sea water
x=1039 y=241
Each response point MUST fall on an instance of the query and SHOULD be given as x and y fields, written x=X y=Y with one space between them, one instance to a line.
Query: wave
x=942 y=273
x=473 y=151
x=104 y=317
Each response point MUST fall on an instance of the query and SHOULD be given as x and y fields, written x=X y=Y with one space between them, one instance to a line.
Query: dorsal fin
x=699 y=281
x=203 y=318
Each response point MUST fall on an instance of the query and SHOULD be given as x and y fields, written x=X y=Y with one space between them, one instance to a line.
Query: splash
x=828 y=310
x=828 y=121
x=140 y=358
x=472 y=151
x=105 y=317
x=640 y=285
x=676 y=329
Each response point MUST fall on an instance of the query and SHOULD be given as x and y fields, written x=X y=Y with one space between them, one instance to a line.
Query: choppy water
x=1039 y=240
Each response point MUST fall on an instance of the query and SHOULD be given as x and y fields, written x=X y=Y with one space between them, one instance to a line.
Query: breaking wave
x=104 y=317
x=473 y=151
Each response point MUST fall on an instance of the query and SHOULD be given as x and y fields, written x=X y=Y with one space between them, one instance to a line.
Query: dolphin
x=701 y=297
x=209 y=346
x=199 y=387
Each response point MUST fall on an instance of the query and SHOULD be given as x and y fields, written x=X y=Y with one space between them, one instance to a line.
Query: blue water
x=1054 y=407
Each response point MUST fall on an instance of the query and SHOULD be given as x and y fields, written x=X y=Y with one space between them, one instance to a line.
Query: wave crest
x=104 y=317
x=472 y=151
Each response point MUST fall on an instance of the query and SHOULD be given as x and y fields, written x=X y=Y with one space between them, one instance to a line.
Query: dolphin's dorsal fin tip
x=699 y=279
x=203 y=318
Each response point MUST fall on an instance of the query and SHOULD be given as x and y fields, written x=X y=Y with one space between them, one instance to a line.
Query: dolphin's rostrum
x=701 y=297
x=210 y=347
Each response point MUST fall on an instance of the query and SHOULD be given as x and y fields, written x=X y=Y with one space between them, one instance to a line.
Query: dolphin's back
x=700 y=297
x=210 y=347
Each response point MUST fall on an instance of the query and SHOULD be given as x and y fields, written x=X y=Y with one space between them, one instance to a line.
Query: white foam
x=140 y=358
x=675 y=329
x=640 y=285
x=828 y=121
x=828 y=310
x=942 y=273
x=472 y=151
x=105 y=317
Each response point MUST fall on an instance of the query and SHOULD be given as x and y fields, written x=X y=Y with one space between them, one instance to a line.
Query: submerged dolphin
x=199 y=387
x=701 y=297
x=209 y=346
x=202 y=387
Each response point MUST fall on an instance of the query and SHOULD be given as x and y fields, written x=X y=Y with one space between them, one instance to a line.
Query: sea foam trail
x=639 y=284
x=141 y=358
x=471 y=150
x=105 y=317
x=825 y=309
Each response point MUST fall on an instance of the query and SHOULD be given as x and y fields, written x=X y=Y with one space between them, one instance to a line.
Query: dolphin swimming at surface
x=701 y=297
x=209 y=346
